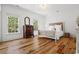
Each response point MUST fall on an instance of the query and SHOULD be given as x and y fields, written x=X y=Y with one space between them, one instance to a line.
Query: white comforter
x=51 y=34
x=58 y=34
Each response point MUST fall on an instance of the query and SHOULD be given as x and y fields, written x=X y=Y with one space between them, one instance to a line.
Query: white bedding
x=51 y=34
x=58 y=34
x=54 y=32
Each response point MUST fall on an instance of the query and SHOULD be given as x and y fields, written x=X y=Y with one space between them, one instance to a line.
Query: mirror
x=26 y=20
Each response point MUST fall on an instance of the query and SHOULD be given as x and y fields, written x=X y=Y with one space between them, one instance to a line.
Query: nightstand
x=67 y=35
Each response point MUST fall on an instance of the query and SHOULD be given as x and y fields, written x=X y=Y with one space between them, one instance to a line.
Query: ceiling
x=37 y=8
x=50 y=8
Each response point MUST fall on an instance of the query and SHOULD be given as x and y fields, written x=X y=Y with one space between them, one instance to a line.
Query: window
x=35 y=24
x=12 y=24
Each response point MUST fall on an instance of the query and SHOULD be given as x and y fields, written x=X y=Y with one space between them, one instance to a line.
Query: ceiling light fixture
x=43 y=6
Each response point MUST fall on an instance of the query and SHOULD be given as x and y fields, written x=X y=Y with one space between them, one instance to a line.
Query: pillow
x=58 y=27
x=51 y=28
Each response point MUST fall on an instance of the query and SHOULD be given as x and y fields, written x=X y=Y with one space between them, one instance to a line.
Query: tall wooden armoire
x=28 y=30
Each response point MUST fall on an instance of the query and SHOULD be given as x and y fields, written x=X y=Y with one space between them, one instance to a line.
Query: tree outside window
x=12 y=24
x=35 y=24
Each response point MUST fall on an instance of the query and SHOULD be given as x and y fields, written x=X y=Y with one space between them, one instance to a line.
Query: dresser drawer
x=29 y=31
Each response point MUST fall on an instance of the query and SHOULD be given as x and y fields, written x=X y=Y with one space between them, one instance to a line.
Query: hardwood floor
x=39 y=46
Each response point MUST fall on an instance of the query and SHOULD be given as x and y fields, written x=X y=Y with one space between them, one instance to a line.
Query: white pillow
x=51 y=28
x=58 y=27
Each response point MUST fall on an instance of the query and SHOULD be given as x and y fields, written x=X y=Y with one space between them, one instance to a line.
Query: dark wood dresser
x=28 y=30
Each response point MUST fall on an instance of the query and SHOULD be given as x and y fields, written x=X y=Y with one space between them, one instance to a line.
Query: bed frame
x=52 y=24
x=57 y=23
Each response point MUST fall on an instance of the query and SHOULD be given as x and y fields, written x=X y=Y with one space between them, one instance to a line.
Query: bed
x=55 y=31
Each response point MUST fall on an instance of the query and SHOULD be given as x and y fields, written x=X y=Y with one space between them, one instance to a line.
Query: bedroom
x=43 y=15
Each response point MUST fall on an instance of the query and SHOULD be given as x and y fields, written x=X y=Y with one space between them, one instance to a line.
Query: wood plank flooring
x=39 y=46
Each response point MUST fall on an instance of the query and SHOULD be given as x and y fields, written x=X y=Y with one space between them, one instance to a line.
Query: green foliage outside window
x=35 y=25
x=12 y=24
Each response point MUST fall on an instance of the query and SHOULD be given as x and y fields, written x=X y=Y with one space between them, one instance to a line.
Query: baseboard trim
x=10 y=40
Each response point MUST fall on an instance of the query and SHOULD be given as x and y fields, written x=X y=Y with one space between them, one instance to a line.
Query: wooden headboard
x=57 y=23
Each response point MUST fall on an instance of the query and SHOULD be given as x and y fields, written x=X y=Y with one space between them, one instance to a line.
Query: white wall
x=67 y=14
x=0 y=22
x=21 y=13
x=0 y=26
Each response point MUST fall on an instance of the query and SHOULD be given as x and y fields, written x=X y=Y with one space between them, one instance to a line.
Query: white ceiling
x=50 y=8
x=35 y=8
